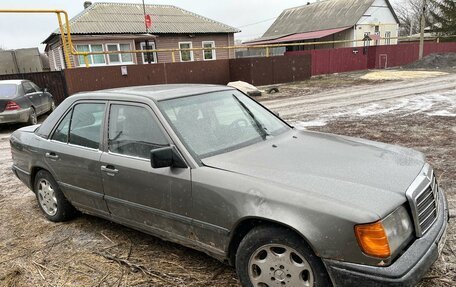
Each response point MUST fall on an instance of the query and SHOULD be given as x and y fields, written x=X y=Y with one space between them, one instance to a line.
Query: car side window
x=133 y=131
x=61 y=132
x=28 y=88
x=35 y=87
x=85 y=126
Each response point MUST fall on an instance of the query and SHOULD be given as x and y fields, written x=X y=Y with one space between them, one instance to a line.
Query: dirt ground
x=418 y=113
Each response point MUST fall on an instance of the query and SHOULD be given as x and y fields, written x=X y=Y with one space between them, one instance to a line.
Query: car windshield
x=7 y=91
x=219 y=122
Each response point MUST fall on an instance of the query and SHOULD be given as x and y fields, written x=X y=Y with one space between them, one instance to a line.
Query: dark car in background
x=208 y=167
x=21 y=101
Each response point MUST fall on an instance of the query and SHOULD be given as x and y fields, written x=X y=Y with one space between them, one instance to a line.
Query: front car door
x=73 y=154
x=154 y=200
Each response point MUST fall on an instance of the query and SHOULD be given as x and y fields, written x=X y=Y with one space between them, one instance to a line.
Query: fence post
x=267 y=51
x=173 y=56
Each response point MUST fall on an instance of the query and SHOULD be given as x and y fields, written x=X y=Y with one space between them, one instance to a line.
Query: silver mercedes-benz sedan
x=208 y=167
x=21 y=101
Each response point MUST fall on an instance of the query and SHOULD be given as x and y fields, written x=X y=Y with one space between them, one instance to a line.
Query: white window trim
x=214 y=54
x=120 y=55
x=387 y=38
x=153 y=47
x=191 y=51
x=91 y=56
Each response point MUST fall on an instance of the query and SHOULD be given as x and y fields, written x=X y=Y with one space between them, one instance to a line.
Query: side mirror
x=166 y=157
x=46 y=90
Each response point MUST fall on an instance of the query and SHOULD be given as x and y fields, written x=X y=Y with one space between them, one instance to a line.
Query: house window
x=124 y=58
x=387 y=38
x=186 y=55
x=92 y=59
x=209 y=54
x=148 y=56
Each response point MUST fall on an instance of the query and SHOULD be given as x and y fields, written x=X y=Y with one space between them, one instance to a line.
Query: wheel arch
x=245 y=225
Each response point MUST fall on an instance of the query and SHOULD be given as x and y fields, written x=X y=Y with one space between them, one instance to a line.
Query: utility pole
x=420 y=56
x=149 y=60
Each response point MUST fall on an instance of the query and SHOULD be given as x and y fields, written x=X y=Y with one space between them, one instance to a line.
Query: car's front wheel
x=275 y=256
x=50 y=198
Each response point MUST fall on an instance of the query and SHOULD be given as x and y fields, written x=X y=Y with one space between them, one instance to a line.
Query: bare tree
x=409 y=14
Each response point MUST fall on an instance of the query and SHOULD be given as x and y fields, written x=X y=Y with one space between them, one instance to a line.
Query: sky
x=253 y=17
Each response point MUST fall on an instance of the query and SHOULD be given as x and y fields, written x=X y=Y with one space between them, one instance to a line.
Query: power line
x=259 y=22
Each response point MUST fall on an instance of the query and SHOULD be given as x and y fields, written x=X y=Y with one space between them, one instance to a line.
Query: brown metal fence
x=258 y=71
x=53 y=81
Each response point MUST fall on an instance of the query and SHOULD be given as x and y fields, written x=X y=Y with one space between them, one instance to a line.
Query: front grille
x=423 y=196
x=426 y=206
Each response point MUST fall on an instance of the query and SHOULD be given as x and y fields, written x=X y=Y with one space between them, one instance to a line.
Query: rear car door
x=33 y=95
x=157 y=200
x=74 y=152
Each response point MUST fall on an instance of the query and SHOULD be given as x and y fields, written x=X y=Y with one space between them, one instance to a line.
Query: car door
x=73 y=154
x=34 y=96
x=157 y=200
x=44 y=99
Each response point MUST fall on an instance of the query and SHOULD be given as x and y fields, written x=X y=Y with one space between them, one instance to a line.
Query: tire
x=50 y=198
x=275 y=256
x=52 y=107
x=33 y=119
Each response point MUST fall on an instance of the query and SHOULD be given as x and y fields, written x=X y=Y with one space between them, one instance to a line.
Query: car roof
x=161 y=92
x=15 y=82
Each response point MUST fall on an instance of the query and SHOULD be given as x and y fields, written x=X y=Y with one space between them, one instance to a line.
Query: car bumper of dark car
x=407 y=270
x=17 y=116
x=23 y=175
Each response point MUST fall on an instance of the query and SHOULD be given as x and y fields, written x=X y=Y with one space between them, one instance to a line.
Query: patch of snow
x=314 y=123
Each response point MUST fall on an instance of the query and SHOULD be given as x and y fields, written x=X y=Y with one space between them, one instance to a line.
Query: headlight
x=385 y=237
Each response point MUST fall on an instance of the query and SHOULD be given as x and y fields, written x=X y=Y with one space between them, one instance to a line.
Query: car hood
x=371 y=175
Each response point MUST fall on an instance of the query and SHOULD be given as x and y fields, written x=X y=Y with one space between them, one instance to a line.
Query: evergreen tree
x=444 y=16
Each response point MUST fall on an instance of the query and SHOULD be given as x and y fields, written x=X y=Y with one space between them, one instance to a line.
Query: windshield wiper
x=260 y=128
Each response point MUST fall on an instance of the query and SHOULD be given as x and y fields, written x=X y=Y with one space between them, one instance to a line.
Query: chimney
x=87 y=4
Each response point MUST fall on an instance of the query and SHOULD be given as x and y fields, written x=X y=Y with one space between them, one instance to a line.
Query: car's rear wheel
x=274 y=256
x=33 y=119
x=52 y=107
x=50 y=198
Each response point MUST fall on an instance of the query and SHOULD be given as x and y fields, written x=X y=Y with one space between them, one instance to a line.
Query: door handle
x=52 y=155
x=109 y=169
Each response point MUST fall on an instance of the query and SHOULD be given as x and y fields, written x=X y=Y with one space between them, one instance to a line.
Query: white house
x=334 y=20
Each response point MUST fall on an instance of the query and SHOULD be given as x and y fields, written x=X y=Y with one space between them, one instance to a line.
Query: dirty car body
x=204 y=165
x=22 y=101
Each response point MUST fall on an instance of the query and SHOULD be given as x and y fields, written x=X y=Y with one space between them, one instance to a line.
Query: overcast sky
x=29 y=30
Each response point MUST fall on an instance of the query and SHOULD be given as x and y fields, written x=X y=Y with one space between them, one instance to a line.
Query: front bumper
x=407 y=270
x=18 y=116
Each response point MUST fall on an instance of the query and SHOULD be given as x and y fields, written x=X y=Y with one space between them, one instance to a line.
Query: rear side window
x=61 y=133
x=133 y=131
x=85 y=126
x=28 y=88
x=7 y=91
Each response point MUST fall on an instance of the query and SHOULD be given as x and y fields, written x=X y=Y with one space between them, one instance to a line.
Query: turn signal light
x=12 y=106
x=373 y=240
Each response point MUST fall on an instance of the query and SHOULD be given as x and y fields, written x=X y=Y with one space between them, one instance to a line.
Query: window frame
x=213 y=51
x=121 y=62
x=154 y=117
x=154 y=54
x=192 y=59
x=70 y=110
x=387 y=37
x=82 y=63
